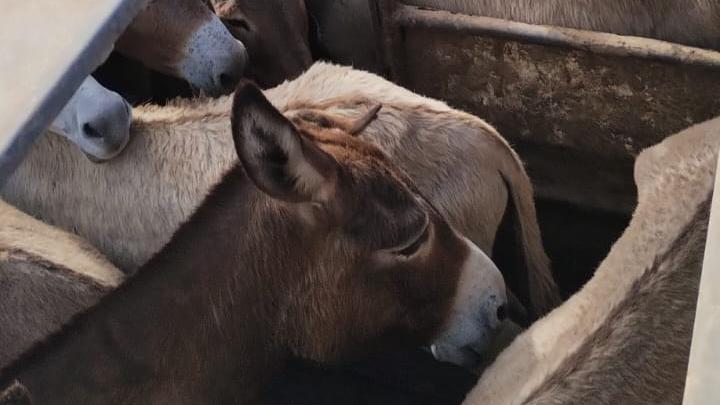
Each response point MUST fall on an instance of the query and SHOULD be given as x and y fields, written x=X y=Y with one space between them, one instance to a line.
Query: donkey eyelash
x=238 y=23
x=412 y=248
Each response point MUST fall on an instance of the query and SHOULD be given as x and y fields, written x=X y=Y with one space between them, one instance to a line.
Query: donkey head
x=275 y=33
x=183 y=38
x=380 y=266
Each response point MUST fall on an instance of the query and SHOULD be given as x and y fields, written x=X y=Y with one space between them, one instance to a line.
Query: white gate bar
x=48 y=48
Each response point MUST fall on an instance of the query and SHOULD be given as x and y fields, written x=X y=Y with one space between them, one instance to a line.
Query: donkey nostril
x=227 y=81
x=91 y=132
x=501 y=313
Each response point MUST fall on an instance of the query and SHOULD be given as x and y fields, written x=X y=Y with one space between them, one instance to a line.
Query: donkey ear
x=277 y=158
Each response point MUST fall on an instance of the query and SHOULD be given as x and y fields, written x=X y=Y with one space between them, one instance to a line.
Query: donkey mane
x=183 y=110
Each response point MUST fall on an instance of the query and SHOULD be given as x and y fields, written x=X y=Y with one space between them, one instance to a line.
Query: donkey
x=688 y=22
x=128 y=209
x=46 y=277
x=636 y=329
x=320 y=247
x=183 y=38
x=459 y=161
x=275 y=33
x=96 y=119
x=625 y=337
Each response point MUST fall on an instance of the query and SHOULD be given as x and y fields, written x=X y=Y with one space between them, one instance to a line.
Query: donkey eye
x=240 y=23
x=413 y=247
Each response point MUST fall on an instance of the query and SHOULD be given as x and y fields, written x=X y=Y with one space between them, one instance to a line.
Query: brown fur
x=161 y=35
x=250 y=279
x=275 y=33
x=689 y=22
x=162 y=49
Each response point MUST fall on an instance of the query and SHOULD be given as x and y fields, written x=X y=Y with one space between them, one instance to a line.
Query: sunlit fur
x=183 y=38
x=275 y=33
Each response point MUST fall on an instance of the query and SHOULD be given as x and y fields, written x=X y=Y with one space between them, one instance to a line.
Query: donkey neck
x=195 y=325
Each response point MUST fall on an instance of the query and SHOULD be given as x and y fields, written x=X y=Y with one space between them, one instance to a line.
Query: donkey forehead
x=386 y=202
x=369 y=166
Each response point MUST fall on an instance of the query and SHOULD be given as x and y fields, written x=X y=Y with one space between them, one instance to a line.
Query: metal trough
x=577 y=105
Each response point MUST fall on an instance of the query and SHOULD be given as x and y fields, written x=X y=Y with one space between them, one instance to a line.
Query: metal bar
x=596 y=42
x=49 y=48
x=702 y=383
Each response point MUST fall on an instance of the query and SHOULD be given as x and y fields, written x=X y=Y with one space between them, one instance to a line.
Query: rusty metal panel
x=48 y=48
x=578 y=106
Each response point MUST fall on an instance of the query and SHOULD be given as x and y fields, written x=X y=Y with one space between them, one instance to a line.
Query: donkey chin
x=477 y=313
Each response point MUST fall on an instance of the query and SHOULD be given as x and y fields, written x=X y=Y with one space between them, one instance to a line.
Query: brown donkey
x=316 y=247
x=275 y=33
x=183 y=38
